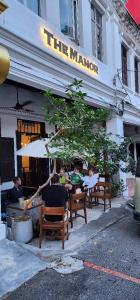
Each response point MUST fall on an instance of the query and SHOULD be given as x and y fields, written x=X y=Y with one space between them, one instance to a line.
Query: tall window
x=136 y=66
x=34 y=5
x=124 y=65
x=68 y=18
x=96 y=23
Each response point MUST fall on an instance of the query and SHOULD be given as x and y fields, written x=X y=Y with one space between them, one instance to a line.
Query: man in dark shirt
x=55 y=196
x=17 y=191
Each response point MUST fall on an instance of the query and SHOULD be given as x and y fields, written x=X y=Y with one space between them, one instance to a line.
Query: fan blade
x=25 y=103
x=27 y=110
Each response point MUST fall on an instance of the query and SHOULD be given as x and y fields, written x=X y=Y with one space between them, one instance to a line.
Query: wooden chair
x=61 y=226
x=102 y=191
x=106 y=177
x=77 y=202
x=89 y=191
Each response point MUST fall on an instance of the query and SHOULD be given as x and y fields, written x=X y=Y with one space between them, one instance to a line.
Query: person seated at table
x=90 y=180
x=63 y=177
x=55 y=195
x=76 y=177
x=16 y=191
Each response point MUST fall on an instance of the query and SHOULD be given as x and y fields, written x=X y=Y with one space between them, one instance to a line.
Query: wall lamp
x=3 y=6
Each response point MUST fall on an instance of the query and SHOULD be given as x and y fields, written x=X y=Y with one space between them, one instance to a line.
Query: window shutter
x=7 y=164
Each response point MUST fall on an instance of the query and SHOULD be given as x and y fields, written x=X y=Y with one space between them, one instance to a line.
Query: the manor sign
x=68 y=52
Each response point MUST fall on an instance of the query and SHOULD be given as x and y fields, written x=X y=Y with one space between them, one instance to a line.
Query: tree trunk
x=42 y=186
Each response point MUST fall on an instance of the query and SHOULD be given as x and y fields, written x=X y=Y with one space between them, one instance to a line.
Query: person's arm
x=67 y=178
x=66 y=205
x=66 y=201
x=14 y=195
x=84 y=180
x=45 y=195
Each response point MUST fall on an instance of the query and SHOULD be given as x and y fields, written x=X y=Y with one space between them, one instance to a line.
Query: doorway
x=33 y=171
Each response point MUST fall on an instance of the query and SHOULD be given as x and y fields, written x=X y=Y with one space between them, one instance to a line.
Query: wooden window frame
x=136 y=74
x=96 y=27
x=24 y=2
x=124 y=57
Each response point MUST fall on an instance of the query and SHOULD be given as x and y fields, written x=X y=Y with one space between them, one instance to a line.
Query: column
x=131 y=73
x=8 y=129
x=116 y=50
x=135 y=152
x=85 y=31
x=2 y=226
x=115 y=127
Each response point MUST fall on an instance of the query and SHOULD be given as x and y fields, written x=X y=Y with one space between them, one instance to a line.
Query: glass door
x=34 y=171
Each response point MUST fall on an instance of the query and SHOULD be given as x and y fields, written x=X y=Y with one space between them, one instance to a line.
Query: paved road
x=117 y=248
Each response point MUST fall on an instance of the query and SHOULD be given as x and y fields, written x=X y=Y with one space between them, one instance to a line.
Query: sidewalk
x=80 y=232
x=19 y=262
x=17 y=265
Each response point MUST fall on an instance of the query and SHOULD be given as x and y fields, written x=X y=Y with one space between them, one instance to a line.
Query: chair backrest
x=52 y=211
x=104 y=177
x=75 y=197
x=106 y=186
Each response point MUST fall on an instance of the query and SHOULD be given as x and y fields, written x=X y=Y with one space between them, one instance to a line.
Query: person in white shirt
x=90 y=180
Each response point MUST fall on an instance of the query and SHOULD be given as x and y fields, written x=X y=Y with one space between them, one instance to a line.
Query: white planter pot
x=22 y=229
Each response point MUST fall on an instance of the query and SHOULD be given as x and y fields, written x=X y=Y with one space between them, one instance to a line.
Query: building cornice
x=127 y=24
x=18 y=114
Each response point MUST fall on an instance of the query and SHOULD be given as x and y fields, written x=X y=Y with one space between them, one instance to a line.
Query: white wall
x=8 y=129
x=115 y=127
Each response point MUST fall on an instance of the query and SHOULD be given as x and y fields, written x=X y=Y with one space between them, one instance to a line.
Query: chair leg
x=63 y=238
x=40 y=238
x=71 y=220
x=67 y=232
x=85 y=214
x=104 y=205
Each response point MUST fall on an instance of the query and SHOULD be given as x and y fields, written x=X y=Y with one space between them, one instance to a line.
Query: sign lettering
x=68 y=52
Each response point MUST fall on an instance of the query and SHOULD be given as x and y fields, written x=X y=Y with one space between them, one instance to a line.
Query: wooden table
x=16 y=206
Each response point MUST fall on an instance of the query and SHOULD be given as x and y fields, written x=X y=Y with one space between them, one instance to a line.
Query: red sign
x=133 y=7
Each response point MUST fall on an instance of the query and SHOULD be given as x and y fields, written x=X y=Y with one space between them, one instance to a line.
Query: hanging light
x=3 y=6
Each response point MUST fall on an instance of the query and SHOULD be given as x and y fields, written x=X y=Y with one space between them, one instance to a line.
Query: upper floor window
x=124 y=52
x=136 y=69
x=68 y=18
x=96 y=24
x=34 y=5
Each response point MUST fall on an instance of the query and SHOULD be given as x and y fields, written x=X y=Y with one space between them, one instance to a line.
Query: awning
x=133 y=7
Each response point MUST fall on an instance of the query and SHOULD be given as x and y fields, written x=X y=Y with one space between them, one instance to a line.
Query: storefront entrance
x=33 y=171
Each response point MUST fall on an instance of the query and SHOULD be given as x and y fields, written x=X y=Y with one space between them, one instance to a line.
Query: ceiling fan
x=19 y=106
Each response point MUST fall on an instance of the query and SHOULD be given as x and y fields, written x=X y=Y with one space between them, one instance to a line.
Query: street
x=112 y=269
